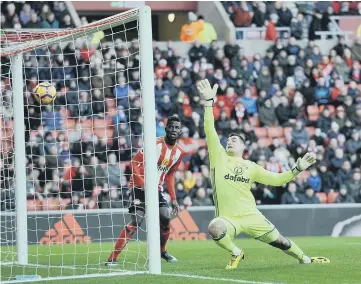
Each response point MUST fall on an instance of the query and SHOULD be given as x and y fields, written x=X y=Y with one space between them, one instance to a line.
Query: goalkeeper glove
x=304 y=163
x=207 y=92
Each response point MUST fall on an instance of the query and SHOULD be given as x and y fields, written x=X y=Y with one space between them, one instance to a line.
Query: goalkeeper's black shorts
x=137 y=200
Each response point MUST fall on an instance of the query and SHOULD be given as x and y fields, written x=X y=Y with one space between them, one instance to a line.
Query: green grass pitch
x=263 y=264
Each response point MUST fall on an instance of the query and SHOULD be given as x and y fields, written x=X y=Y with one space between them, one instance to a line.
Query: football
x=44 y=93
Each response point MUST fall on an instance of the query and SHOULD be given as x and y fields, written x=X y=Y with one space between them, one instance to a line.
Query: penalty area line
x=218 y=279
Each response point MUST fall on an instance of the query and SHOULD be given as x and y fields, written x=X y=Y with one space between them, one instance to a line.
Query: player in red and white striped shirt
x=170 y=155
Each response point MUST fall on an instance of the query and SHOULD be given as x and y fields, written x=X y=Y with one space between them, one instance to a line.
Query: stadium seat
x=313 y=112
x=331 y=197
x=260 y=132
x=254 y=121
x=265 y=142
x=51 y=204
x=322 y=197
x=33 y=205
x=275 y=132
x=310 y=130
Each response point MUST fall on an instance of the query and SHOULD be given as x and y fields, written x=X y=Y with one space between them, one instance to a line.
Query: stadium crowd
x=304 y=18
x=285 y=102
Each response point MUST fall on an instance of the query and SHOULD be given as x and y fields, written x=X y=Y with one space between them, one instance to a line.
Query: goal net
x=64 y=166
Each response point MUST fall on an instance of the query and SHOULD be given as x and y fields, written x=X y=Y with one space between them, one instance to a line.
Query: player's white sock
x=236 y=251
x=305 y=260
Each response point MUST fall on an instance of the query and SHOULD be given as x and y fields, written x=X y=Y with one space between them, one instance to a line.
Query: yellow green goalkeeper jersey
x=232 y=177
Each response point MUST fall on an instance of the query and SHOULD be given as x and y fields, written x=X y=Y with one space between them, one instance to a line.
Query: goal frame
x=148 y=104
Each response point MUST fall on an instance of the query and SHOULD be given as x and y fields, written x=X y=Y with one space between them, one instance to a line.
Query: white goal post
x=14 y=44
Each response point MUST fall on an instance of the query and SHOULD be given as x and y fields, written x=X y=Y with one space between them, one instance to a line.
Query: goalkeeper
x=232 y=178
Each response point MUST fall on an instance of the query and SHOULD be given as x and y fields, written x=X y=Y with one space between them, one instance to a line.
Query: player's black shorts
x=137 y=200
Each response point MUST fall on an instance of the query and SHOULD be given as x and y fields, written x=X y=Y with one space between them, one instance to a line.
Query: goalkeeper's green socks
x=225 y=242
x=295 y=251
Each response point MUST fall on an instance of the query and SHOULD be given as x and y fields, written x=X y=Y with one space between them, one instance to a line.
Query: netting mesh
x=77 y=149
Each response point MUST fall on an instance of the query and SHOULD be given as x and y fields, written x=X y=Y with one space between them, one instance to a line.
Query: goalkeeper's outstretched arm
x=277 y=179
x=208 y=94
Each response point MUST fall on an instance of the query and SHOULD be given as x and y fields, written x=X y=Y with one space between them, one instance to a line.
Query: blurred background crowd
x=285 y=102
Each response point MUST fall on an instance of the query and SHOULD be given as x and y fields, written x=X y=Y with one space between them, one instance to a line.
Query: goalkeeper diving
x=232 y=178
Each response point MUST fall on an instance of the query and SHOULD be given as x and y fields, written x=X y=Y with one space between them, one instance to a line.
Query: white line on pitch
x=217 y=279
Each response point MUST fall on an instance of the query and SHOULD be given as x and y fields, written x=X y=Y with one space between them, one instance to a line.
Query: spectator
x=249 y=102
x=74 y=203
x=66 y=22
x=315 y=26
x=353 y=185
x=344 y=196
x=260 y=16
x=327 y=178
x=340 y=46
x=271 y=33
x=267 y=114
x=300 y=135
x=25 y=14
x=191 y=30
x=208 y=33
x=180 y=193
x=242 y=16
x=358 y=197
x=264 y=81
x=199 y=159
x=325 y=121
x=162 y=69
x=201 y=198
x=314 y=180
x=121 y=92
x=338 y=160
x=273 y=165
x=197 y=51
x=284 y=13
x=189 y=181
x=309 y=196
x=322 y=93
x=297 y=26
x=356 y=49
x=354 y=144
x=50 y=22
x=291 y=196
